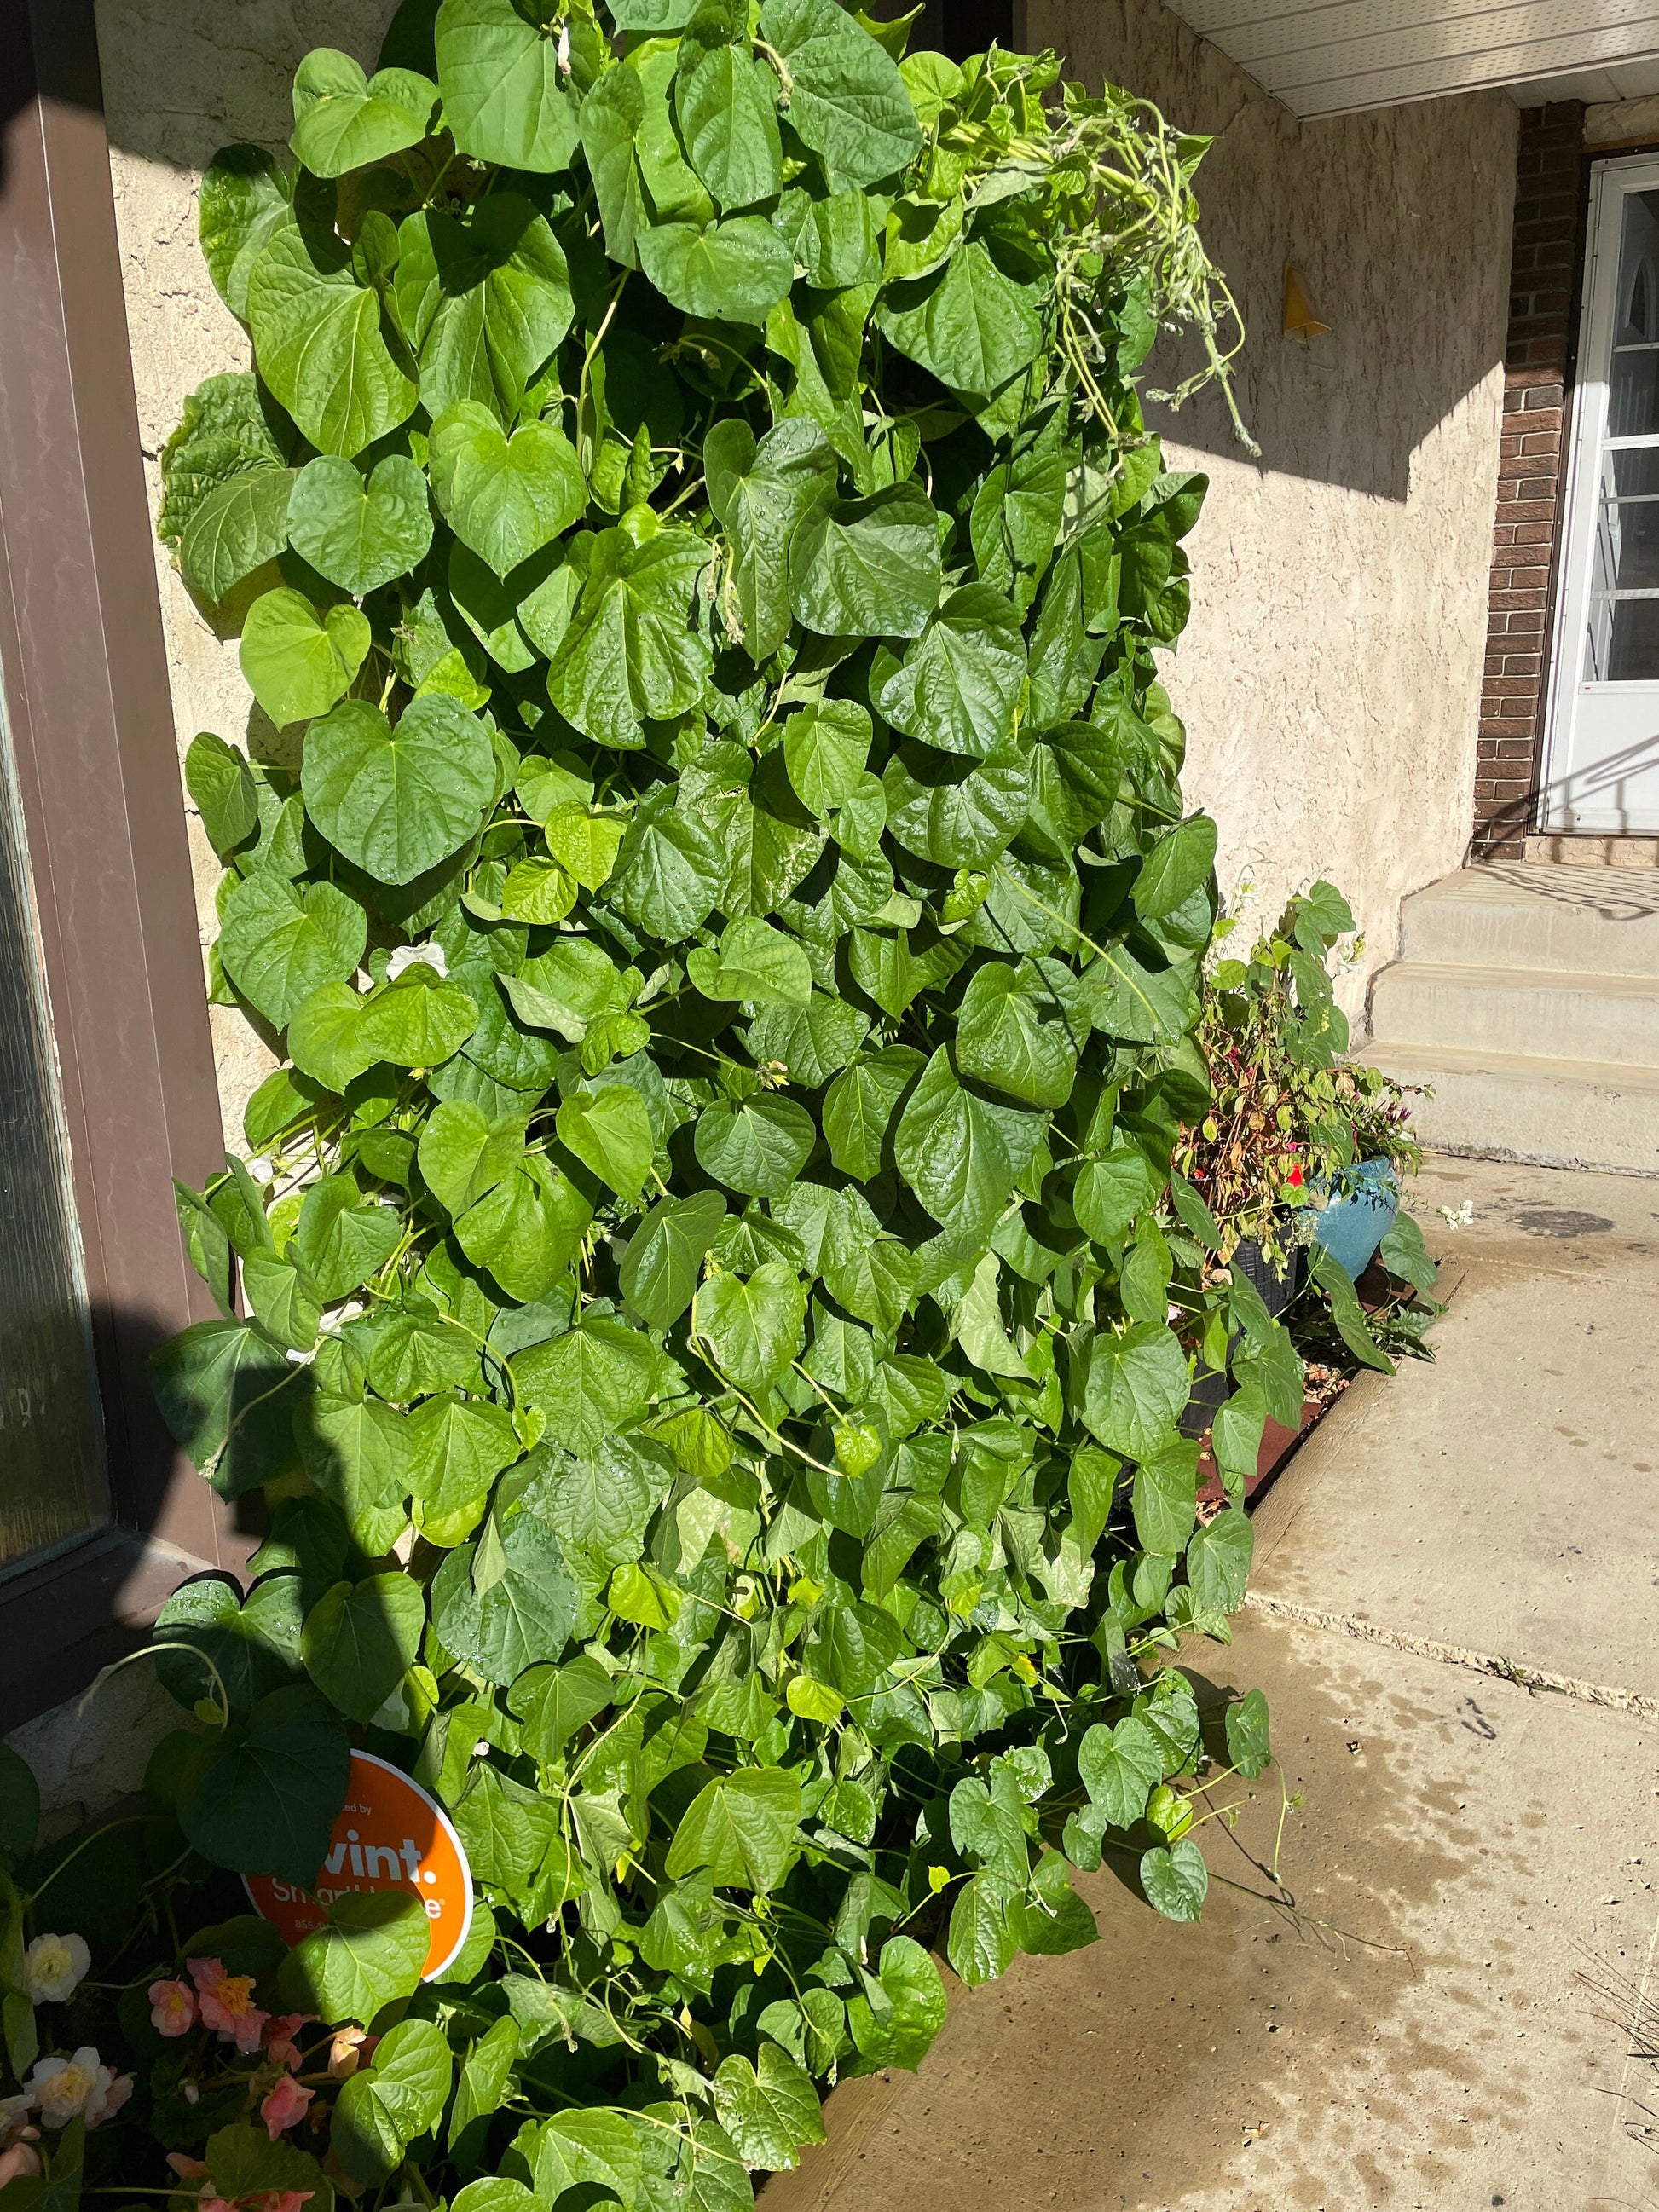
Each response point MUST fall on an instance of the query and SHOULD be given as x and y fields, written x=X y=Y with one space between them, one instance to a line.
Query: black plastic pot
x=1211 y=1389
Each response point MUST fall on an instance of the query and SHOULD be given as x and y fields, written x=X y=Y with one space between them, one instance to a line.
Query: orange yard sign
x=390 y=1835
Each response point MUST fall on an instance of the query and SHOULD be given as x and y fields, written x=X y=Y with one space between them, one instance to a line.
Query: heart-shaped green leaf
x=280 y=941
x=506 y=99
x=726 y=106
x=960 y=684
x=244 y=196
x=847 y=99
x=632 y=651
x=359 y=1639
x=360 y=535
x=485 y=301
x=734 y=270
x=504 y=496
x=298 y=662
x=236 y=528
x=382 y=2108
x=261 y=1796
x=609 y=1131
x=753 y=961
x=590 y=1382
x=970 y=326
x=659 y=1270
x=759 y=494
x=317 y=340
x=867 y=568
x=344 y=120
x=370 y=1954
x=757 y=1146
x=397 y=801
x=752 y=1327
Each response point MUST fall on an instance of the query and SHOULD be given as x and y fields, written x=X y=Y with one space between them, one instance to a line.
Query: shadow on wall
x=72 y=1613
x=1400 y=218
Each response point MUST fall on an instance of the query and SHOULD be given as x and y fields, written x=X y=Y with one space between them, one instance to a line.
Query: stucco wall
x=181 y=79
x=1330 y=678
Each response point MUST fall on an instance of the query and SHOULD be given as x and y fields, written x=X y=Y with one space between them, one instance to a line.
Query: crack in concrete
x=1532 y=1679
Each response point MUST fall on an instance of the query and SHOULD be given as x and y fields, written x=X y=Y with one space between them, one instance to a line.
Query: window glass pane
x=1622 y=640
x=52 y=1484
x=1633 y=394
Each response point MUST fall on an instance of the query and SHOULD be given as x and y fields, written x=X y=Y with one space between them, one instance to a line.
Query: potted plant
x=1300 y=1155
x=1298 y=1145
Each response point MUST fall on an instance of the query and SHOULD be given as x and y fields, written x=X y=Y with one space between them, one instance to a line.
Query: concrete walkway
x=1446 y=2020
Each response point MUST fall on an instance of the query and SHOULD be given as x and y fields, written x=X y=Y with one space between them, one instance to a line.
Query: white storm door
x=1603 y=749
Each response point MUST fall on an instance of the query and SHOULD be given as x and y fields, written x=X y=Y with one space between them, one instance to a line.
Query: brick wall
x=1549 y=214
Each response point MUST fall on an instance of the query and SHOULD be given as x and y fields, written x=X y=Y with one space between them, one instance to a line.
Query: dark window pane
x=1635 y=473
x=958 y=28
x=52 y=1485
x=1633 y=645
x=1633 y=394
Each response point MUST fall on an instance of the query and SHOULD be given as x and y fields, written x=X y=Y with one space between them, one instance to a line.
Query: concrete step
x=1513 y=914
x=1530 y=1012
x=1558 y=1113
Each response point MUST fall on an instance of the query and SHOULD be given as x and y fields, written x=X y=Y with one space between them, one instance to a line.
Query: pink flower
x=114 y=2097
x=227 y=2003
x=285 y=2107
x=20 y=2163
x=289 y=2200
x=172 y=2008
x=280 y=2046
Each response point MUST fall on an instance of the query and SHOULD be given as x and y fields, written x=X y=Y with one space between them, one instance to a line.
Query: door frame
x=92 y=727
x=1627 y=172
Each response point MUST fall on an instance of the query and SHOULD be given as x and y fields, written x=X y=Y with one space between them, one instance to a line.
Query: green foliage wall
x=714 y=1315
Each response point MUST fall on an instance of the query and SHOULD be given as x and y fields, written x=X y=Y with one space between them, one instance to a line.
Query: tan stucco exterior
x=1331 y=674
x=1330 y=678
x=181 y=79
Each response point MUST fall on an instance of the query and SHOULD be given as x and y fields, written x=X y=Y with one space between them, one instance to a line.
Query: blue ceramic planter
x=1356 y=1212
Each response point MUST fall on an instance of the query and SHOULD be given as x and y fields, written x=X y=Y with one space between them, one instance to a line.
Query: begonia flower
x=226 y=2003
x=280 y=2046
x=285 y=2107
x=81 y=2087
x=55 y=1967
x=347 y=2053
x=172 y=2008
x=21 y=2161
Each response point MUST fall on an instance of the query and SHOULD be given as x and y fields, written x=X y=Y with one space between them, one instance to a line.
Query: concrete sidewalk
x=1445 y=2020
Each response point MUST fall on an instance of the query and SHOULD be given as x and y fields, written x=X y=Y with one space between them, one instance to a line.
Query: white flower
x=60 y=2089
x=564 y=47
x=56 y=1966
x=429 y=956
x=14 y=2110
x=259 y=1168
x=1459 y=1217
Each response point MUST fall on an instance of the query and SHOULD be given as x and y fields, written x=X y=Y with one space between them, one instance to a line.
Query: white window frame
x=1610 y=181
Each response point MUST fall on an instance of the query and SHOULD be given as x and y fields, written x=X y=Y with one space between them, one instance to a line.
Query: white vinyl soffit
x=1345 y=55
